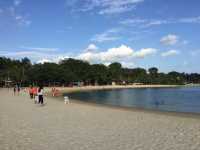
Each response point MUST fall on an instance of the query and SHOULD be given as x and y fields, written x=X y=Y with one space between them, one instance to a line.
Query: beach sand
x=78 y=126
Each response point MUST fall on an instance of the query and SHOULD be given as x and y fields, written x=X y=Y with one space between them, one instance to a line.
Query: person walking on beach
x=35 y=91
x=40 y=95
x=31 y=92
x=53 y=91
x=35 y=94
x=18 y=89
x=14 y=89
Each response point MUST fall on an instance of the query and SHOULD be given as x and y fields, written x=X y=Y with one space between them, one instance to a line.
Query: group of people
x=55 y=92
x=16 y=89
x=36 y=93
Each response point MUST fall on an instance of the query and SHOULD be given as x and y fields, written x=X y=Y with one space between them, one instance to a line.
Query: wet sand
x=25 y=125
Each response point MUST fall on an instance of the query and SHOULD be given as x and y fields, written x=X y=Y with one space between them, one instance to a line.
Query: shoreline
x=125 y=108
x=67 y=90
x=107 y=87
x=135 y=109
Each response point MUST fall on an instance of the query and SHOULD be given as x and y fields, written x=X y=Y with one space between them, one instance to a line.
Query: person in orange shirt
x=31 y=92
x=53 y=91
x=57 y=92
x=35 y=92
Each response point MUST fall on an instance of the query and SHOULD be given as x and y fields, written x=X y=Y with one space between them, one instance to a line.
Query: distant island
x=70 y=72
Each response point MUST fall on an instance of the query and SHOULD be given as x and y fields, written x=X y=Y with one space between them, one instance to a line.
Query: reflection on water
x=168 y=99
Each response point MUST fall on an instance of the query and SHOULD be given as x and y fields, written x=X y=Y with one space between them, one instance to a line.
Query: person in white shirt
x=40 y=95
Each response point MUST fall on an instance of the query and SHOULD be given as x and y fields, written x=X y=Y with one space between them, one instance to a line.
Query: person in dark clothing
x=14 y=90
x=18 y=89
x=40 y=95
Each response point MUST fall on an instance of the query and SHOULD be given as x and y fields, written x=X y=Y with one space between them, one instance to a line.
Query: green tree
x=115 y=71
x=75 y=70
x=72 y=70
x=153 y=75
x=99 y=74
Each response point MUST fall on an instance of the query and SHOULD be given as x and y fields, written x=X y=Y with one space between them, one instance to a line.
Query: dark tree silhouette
x=71 y=70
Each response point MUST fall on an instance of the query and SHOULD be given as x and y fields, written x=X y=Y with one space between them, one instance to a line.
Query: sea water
x=181 y=99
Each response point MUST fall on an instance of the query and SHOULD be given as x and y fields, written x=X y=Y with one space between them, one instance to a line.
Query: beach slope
x=55 y=126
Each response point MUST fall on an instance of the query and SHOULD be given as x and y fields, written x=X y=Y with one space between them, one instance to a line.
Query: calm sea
x=181 y=99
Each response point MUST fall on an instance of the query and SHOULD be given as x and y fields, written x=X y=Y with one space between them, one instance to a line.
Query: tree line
x=70 y=71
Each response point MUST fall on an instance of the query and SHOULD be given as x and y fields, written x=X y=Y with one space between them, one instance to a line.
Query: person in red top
x=53 y=91
x=34 y=92
x=31 y=92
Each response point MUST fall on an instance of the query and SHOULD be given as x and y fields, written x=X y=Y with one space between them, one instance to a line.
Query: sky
x=136 y=33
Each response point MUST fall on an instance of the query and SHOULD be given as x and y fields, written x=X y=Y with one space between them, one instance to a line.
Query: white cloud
x=170 y=53
x=1 y=11
x=144 y=52
x=118 y=53
x=132 y=21
x=37 y=56
x=21 y=19
x=17 y=2
x=185 y=42
x=41 y=49
x=104 y=6
x=91 y=48
x=118 y=6
x=125 y=64
x=170 y=39
x=55 y=59
x=195 y=52
x=89 y=56
x=42 y=61
x=18 y=17
x=156 y=23
x=21 y=54
x=68 y=28
x=104 y=38
x=109 y=35
x=121 y=54
x=12 y=11
x=185 y=63
x=112 y=54
x=190 y=20
x=128 y=64
x=116 y=10
x=145 y=23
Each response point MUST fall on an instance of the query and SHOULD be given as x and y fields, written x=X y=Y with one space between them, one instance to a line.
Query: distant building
x=120 y=82
x=113 y=83
x=137 y=83
x=7 y=83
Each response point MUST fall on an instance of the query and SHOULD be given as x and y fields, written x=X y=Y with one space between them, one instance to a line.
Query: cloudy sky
x=137 y=33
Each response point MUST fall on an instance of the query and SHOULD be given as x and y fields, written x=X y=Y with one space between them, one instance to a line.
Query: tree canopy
x=71 y=70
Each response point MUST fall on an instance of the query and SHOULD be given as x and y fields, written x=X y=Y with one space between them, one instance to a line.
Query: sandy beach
x=80 y=126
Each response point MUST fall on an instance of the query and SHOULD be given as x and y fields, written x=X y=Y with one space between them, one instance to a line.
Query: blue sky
x=136 y=33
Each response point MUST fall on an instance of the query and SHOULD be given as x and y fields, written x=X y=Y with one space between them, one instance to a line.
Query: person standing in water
x=40 y=95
